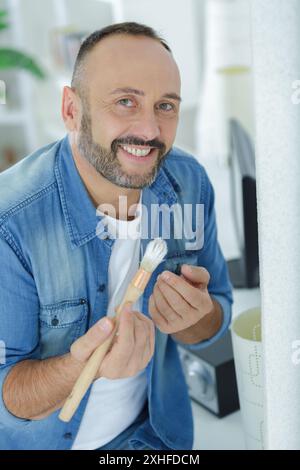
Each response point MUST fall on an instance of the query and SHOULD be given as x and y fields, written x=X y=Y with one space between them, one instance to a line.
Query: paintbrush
x=154 y=255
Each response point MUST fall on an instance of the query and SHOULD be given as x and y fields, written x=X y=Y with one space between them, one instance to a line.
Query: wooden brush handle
x=85 y=379
x=94 y=362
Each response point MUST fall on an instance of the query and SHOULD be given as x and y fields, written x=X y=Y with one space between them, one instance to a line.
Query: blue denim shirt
x=53 y=286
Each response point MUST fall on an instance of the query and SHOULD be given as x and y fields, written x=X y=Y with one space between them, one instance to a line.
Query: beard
x=106 y=161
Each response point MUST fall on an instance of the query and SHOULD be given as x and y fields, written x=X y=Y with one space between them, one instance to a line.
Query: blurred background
x=210 y=40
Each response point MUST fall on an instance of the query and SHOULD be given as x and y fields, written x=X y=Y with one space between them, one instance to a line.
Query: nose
x=146 y=126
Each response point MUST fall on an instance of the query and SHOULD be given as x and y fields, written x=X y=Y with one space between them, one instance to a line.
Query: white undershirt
x=114 y=404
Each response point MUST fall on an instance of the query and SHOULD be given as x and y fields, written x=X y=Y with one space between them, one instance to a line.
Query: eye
x=126 y=102
x=167 y=106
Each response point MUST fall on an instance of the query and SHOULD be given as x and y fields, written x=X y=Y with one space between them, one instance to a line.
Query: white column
x=276 y=56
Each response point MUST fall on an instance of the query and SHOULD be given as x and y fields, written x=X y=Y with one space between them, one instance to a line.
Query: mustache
x=132 y=140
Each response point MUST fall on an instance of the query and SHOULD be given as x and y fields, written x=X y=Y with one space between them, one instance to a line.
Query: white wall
x=176 y=21
x=179 y=22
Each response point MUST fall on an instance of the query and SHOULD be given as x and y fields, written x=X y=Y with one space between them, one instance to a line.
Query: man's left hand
x=179 y=302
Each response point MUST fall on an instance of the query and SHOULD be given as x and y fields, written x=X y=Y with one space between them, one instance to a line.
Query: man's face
x=130 y=109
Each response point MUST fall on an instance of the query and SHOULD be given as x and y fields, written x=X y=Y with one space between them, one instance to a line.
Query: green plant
x=12 y=58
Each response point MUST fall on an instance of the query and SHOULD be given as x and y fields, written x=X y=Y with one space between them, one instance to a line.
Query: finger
x=135 y=361
x=125 y=306
x=147 y=354
x=126 y=337
x=142 y=342
x=149 y=349
x=154 y=301
x=196 y=274
x=175 y=300
x=158 y=319
x=152 y=336
x=84 y=346
x=151 y=327
x=190 y=293
x=163 y=305
x=141 y=316
x=150 y=332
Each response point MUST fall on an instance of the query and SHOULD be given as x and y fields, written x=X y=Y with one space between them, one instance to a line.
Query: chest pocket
x=60 y=324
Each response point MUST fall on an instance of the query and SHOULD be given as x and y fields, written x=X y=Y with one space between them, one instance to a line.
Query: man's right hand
x=131 y=349
x=33 y=388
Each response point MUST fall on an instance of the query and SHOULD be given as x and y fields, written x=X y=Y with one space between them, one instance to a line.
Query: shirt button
x=82 y=301
x=54 y=321
x=101 y=288
x=67 y=435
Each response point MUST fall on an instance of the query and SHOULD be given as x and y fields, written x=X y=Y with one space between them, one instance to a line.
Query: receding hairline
x=130 y=29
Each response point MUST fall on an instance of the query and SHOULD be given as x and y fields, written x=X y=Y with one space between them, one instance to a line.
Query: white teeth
x=137 y=152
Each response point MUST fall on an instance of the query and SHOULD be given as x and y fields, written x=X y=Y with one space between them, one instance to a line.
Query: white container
x=247 y=349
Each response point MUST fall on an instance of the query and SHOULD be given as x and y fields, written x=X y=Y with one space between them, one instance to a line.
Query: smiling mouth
x=137 y=151
x=138 y=154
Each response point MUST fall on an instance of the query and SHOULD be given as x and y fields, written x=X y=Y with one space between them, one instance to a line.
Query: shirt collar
x=82 y=221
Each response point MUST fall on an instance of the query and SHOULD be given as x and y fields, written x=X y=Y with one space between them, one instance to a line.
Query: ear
x=71 y=109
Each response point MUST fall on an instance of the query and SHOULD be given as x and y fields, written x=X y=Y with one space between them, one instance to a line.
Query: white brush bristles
x=155 y=252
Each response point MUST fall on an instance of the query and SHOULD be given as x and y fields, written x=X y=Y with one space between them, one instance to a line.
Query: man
x=63 y=272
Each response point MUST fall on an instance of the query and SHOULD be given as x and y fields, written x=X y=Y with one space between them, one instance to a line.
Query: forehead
x=131 y=61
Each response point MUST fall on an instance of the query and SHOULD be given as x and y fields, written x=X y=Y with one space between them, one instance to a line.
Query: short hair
x=130 y=28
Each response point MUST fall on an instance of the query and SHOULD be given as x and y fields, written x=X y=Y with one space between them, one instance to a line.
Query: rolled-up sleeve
x=211 y=258
x=19 y=307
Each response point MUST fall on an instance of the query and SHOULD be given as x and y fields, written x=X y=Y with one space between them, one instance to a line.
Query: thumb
x=84 y=346
x=196 y=275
